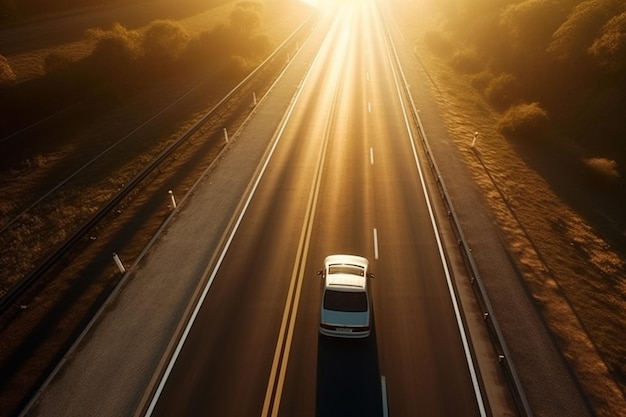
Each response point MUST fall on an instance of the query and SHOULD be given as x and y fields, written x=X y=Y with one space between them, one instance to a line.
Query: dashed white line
x=375 y=243
x=383 y=388
x=372 y=156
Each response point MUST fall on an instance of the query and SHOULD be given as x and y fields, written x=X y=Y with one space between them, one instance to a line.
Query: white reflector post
x=119 y=263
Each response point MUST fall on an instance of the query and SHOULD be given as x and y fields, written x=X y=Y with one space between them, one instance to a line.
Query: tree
x=572 y=39
x=609 y=49
x=164 y=42
x=245 y=20
x=115 y=55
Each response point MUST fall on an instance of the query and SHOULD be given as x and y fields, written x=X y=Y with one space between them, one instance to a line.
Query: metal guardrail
x=504 y=357
x=57 y=254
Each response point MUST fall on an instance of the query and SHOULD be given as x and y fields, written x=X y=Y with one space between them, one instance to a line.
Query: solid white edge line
x=383 y=389
x=181 y=342
x=205 y=291
x=457 y=312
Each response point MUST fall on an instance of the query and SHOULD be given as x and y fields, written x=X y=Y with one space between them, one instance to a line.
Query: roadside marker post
x=172 y=198
x=474 y=141
x=119 y=263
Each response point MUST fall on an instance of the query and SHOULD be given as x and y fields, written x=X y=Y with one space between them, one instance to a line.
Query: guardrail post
x=171 y=193
x=119 y=263
x=254 y=99
x=226 y=135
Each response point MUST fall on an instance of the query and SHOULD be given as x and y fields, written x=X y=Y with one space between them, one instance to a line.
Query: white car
x=345 y=307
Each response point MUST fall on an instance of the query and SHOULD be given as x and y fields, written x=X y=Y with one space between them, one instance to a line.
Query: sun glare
x=314 y=3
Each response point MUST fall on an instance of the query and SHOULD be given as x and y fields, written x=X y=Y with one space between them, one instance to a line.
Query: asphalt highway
x=341 y=176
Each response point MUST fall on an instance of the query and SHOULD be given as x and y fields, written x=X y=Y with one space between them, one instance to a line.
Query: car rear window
x=346 y=269
x=353 y=302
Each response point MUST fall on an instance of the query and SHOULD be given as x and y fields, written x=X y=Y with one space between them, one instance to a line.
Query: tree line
x=124 y=60
x=551 y=67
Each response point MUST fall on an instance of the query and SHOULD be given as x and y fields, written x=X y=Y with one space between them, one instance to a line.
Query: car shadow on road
x=348 y=377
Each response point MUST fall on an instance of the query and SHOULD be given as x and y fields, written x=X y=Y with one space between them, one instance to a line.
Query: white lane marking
x=369 y=106
x=457 y=312
x=213 y=274
x=383 y=388
x=375 y=243
x=372 y=156
x=367 y=75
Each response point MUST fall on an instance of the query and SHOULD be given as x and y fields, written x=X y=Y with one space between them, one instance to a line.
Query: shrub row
x=124 y=60
x=534 y=58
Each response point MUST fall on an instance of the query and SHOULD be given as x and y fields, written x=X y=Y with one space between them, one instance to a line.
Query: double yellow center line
x=273 y=393
x=283 y=346
x=276 y=381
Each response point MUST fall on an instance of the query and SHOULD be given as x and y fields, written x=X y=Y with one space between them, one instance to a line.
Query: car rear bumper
x=343 y=334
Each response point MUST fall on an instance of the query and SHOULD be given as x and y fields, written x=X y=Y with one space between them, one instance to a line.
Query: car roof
x=346 y=282
x=342 y=280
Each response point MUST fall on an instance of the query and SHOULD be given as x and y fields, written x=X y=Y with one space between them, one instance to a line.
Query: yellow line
x=293 y=298
x=274 y=389
x=303 y=250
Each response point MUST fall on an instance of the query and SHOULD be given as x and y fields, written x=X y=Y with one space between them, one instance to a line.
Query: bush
x=524 y=121
x=7 y=76
x=602 y=171
x=164 y=42
x=467 y=61
x=502 y=91
x=115 y=56
x=239 y=38
x=56 y=63
x=481 y=80
x=609 y=50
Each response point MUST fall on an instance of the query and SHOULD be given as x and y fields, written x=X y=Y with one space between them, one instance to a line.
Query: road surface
x=342 y=177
